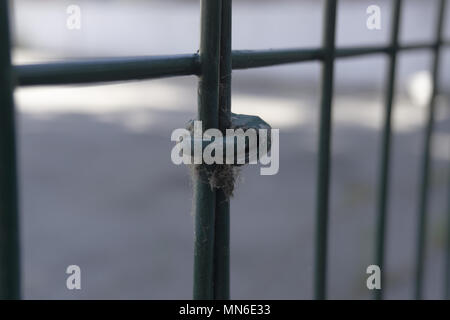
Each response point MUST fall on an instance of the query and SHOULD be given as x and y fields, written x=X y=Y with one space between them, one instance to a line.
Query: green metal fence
x=213 y=64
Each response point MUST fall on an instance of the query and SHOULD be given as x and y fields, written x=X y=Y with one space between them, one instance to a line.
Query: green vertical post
x=9 y=229
x=383 y=184
x=204 y=195
x=323 y=176
x=222 y=223
x=425 y=166
x=447 y=253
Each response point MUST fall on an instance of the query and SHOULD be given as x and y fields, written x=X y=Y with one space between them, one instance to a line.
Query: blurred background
x=98 y=188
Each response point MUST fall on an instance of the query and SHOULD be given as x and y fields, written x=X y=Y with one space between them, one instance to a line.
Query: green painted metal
x=111 y=69
x=425 y=167
x=141 y=68
x=245 y=59
x=383 y=184
x=222 y=223
x=9 y=228
x=447 y=253
x=323 y=175
x=208 y=113
x=222 y=247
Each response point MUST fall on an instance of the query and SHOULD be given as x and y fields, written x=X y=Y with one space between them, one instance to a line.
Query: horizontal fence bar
x=141 y=68
x=111 y=69
x=354 y=52
x=246 y=59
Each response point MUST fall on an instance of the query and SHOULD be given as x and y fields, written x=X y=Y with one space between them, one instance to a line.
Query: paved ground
x=99 y=190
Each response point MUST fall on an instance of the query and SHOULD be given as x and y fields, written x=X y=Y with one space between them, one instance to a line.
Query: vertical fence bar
x=425 y=167
x=323 y=176
x=9 y=230
x=383 y=186
x=222 y=223
x=447 y=253
x=205 y=197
